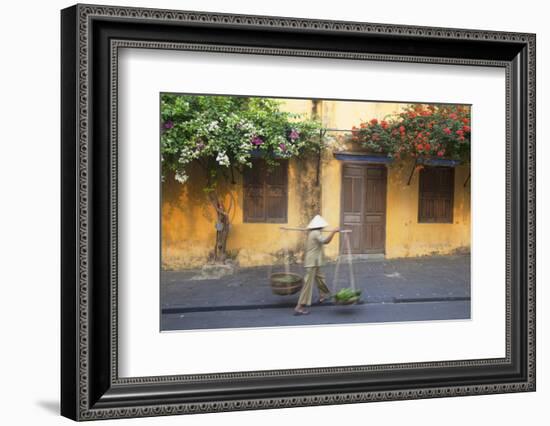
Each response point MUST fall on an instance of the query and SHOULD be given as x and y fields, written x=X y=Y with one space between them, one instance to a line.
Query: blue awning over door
x=441 y=162
x=363 y=158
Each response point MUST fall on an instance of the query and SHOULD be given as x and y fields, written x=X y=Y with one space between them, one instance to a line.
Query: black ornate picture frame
x=91 y=387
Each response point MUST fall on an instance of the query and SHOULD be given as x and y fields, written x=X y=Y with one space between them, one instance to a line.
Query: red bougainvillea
x=419 y=130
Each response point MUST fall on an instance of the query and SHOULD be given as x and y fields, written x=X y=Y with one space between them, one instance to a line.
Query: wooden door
x=374 y=227
x=353 y=184
x=364 y=207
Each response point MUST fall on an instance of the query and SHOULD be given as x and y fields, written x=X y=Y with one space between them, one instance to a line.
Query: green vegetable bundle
x=347 y=295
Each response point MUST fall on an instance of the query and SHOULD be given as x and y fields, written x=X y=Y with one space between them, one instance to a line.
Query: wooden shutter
x=265 y=192
x=276 y=193
x=254 y=195
x=436 y=194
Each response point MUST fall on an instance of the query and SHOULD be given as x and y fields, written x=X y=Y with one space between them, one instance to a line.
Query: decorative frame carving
x=91 y=388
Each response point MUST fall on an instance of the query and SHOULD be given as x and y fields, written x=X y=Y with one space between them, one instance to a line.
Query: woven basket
x=285 y=287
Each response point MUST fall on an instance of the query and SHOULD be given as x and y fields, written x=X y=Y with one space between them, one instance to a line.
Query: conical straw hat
x=317 y=222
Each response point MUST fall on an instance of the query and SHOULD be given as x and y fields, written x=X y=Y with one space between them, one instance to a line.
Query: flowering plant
x=419 y=130
x=222 y=134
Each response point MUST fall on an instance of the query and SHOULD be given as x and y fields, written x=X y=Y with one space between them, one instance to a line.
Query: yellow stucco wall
x=188 y=232
x=405 y=236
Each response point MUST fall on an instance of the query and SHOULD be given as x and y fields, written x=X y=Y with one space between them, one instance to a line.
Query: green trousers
x=313 y=274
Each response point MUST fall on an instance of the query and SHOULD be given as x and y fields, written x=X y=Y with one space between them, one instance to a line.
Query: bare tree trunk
x=222 y=232
x=222 y=227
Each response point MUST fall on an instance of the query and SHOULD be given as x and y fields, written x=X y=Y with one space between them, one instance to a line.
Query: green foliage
x=223 y=133
x=420 y=130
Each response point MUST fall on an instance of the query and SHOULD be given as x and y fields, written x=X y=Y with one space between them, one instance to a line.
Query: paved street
x=427 y=288
x=330 y=314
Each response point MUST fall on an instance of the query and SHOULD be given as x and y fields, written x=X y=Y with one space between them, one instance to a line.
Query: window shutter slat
x=265 y=192
x=436 y=194
x=276 y=193
x=254 y=193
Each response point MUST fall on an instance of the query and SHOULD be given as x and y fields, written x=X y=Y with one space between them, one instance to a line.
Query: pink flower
x=294 y=134
x=257 y=141
x=447 y=131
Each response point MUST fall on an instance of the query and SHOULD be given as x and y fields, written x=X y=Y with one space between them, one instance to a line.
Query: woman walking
x=313 y=260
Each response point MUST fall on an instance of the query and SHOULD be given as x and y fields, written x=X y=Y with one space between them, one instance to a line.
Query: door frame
x=365 y=165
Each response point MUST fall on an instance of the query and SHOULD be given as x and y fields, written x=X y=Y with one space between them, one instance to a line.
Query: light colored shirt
x=314 y=255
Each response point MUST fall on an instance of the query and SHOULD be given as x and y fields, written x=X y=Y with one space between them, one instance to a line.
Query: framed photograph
x=263 y=212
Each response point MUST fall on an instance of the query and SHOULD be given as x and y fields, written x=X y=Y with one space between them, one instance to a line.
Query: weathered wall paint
x=188 y=222
x=188 y=232
x=405 y=236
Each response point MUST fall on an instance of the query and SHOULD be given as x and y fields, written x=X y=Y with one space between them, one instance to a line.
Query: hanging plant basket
x=285 y=284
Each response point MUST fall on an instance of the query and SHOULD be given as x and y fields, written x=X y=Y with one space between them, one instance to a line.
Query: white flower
x=213 y=126
x=184 y=158
x=242 y=159
x=186 y=155
x=245 y=144
x=181 y=177
x=246 y=125
x=280 y=139
x=222 y=159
